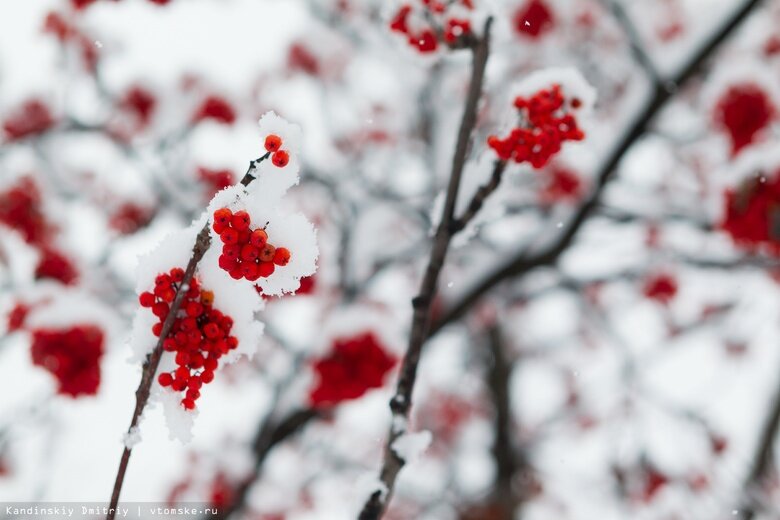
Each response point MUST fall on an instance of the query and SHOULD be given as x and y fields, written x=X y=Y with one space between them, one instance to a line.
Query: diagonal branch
x=401 y=402
x=202 y=244
x=524 y=262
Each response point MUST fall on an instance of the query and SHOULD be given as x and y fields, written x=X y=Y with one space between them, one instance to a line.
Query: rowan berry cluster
x=431 y=22
x=546 y=122
x=354 y=366
x=744 y=111
x=273 y=145
x=199 y=337
x=752 y=214
x=21 y=209
x=246 y=252
x=72 y=355
x=661 y=287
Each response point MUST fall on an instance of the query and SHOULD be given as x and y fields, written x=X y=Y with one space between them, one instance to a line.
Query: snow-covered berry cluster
x=273 y=145
x=547 y=119
x=744 y=112
x=426 y=24
x=246 y=252
x=199 y=336
x=354 y=365
x=217 y=322
x=72 y=355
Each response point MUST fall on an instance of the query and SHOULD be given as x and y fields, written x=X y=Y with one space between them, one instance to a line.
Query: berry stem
x=401 y=402
x=202 y=244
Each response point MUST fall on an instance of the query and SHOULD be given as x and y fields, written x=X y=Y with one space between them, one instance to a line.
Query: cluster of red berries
x=72 y=355
x=273 y=145
x=21 y=209
x=215 y=179
x=546 y=124
x=561 y=185
x=744 y=111
x=354 y=366
x=426 y=39
x=752 y=215
x=31 y=118
x=215 y=108
x=200 y=334
x=661 y=287
x=246 y=253
x=534 y=19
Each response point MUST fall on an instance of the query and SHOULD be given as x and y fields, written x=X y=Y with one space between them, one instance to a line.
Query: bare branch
x=401 y=402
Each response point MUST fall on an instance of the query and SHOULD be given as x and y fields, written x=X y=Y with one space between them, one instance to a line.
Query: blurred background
x=633 y=375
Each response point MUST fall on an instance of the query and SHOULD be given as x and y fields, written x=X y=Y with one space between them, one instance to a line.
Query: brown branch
x=202 y=244
x=504 y=454
x=401 y=402
x=524 y=262
x=268 y=436
x=480 y=197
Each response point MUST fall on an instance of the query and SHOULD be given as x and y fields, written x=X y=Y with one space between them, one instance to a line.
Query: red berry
x=223 y=216
x=240 y=220
x=182 y=373
x=236 y=273
x=160 y=310
x=188 y=403
x=165 y=379
x=232 y=342
x=282 y=256
x=250 y=271
x=249 y=253
x=267 y=253
x=177 y=274
x=232 y=251
x=229 y=236
x=196 y=360
x=258 y=238
x=207 y=376
x=228 y=263
x=193 y=394
x=169 y=345
x=182 y=359
x=188 y=324
x=194 y=309
x=210 y=363
x=218 y=227
x=194 y=383
x=211 y=330
x=265 y=269
x=157 y=329
x=280 y=158
x=273 y=143
x=179 y=385
x=146 y=299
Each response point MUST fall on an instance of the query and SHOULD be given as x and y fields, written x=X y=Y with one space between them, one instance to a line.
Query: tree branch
x=202 y=244
x=401 y=402
x=524 y=262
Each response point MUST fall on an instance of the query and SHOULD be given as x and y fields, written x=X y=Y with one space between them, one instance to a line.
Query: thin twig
x=401 y=402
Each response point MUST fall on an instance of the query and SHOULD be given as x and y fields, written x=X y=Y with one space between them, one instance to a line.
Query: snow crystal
x=410 y=446
x=179 y=420
x=131 y=437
